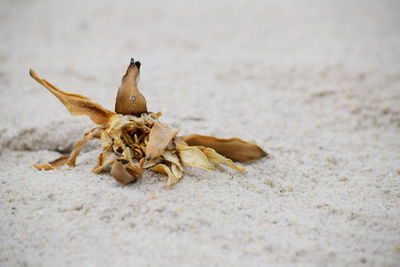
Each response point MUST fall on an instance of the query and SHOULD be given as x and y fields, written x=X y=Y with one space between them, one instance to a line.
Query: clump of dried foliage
x=134 y=139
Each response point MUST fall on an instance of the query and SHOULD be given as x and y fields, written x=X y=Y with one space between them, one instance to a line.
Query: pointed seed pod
x=129 y=100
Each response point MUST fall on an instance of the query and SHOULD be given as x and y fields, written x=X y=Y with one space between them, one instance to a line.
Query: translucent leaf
x=173 y=158
x=173 y=175
x=150 y=163
x=159 y=138
x=217 y=159
x=193 y=157
x=117 y=122
x=177 y=172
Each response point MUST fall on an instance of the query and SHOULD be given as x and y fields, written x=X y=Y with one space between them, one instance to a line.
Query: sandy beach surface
x=315 y=83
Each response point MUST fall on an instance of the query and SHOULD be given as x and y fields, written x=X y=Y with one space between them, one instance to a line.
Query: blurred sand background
x=316 y=83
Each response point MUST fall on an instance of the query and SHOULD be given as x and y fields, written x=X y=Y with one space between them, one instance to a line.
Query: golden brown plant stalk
x=134 y=139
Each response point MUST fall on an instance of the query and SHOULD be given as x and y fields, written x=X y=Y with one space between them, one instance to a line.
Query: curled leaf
x=173 y=175
x=179 y=141
x=217 y=159
x=129 y=100
x=159 y=138
x=116 y=123
x=193 y=157
x=150 y=163
x=79 y=145
x=53 y=165
x=233 y=148
x=177 y=172
x=76 y=104
x=102 y=163
x=124 y=174
x=106 y=141
x=172 y=157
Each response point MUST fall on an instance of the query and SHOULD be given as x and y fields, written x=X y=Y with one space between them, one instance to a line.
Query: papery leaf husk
x=123 y=174
x=177 y=172
x=173 y=175
x=106 y=141
x=233 y=148
x=172 y=158
x=159 y=138
x=150 y=163
x=79 y=145
x=53 y=165
x=193 y=157
x=217 y=159
x=102 y=163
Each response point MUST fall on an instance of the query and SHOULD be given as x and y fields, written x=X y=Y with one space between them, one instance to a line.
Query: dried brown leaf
x=125 y=174
x=173 y=175
x=53 y=165
x=129 y=100
x=137 y=169
x=193 y=157
x=233 y=148
x=93 y=133
x=102 y=163
x=159 y=138
x=116 y=123
x=179 y=141
x=177 y=172
x=172 y=158
x=76 y=104
x=106 y=141
x=150 y=163
x=217 y=159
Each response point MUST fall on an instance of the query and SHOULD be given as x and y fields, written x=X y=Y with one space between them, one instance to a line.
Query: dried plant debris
x=134 y=139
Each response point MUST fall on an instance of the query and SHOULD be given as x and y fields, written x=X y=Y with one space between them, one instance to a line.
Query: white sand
x=316 y=83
